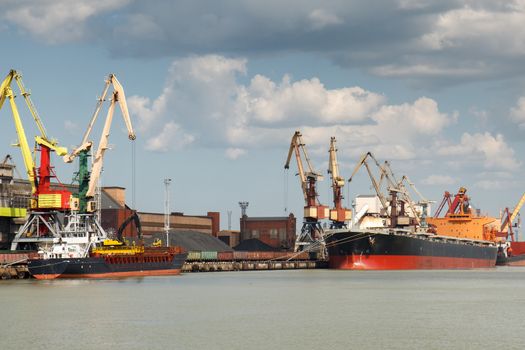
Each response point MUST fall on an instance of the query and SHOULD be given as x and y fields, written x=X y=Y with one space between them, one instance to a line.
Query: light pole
x=167 y=210
x=244 y=206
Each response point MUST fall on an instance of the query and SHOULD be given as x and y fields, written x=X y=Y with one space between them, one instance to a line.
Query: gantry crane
x=338 y=215
x=311 y=230
x=43 y=221
x=87 y=181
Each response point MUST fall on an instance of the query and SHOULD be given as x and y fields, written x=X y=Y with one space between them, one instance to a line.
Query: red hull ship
x=459 y=240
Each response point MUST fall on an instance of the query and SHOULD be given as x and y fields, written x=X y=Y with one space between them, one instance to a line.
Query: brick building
x=277 y=232
x=230 y=237
x=115 y=211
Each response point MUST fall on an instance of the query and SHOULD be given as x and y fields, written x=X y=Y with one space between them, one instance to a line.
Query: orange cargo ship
x=460 y=222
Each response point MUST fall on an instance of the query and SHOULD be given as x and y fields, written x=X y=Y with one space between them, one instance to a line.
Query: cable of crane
x=133 y=173
x=285 y=184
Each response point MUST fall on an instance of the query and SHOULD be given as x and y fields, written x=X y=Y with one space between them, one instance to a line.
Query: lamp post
x=244 y=206
x=167 y=210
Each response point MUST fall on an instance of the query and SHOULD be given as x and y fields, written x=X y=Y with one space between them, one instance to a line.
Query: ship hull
x=107 y=267
x=349 y=250
x=517 y=260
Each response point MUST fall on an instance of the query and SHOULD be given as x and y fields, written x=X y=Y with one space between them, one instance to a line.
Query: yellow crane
x=338 y=215
x=43 y=196
x=506 y=225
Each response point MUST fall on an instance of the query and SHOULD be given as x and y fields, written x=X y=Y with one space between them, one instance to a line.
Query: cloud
x=57 y=21
x=517 y=113
x=71 y=126
x=493 y=151
x=171 y=137
x=234 y=153
x=445 y=42
x=308 y=100
x=491 y=184
x=439 y=180
x=204 y=95
x=322 y=18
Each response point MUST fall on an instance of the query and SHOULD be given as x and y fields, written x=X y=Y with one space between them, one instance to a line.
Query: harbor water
x=297 y=309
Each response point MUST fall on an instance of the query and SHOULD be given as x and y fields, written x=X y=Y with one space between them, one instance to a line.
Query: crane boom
x=85 y=144
x=509 y=219
x=338 y=215
x=296 y=146
x=362 y=161
x=29 y=164
x=120 y=97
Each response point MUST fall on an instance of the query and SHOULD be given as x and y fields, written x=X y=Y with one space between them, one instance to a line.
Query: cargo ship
x=460 y=240
x=112 y=260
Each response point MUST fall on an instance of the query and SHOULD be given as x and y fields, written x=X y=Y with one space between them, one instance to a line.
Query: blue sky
x=216 y=90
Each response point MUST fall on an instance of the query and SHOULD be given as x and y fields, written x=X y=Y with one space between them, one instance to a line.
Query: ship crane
x=338 y=215
x=458 y=206
x=377 y=187
x=423 y=202
x=88 y=182
x=311 y=230
x=394 y=187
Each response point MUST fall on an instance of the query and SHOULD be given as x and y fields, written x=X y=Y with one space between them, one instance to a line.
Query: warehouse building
x=277 y=232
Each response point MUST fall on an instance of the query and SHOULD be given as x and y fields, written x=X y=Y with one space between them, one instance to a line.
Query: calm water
x=306 y=309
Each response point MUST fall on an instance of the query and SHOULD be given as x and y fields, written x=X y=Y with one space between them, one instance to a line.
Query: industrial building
x=277 y=232
x=15 y=196
x=115 y=211
x=230 y=237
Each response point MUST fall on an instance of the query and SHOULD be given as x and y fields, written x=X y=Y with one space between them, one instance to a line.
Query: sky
x=216 y=90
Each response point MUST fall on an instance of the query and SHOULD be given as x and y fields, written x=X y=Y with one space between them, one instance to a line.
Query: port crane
x=506 y=224
x=338 y=215
x=43 y=223
x=311 y=230
x=43 y=197
x=87 y=181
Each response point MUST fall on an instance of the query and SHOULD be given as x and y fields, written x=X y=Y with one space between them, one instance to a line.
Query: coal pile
x=254 y=245
x=191 y=241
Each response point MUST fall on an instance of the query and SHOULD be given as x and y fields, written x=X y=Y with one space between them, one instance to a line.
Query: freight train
x=249 y=256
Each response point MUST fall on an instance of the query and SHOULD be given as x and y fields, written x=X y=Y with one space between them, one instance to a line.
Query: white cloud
x=171 y=137
x=490 y=30
x=517 y=113
x=234 y=153
x=205 y=98
x=57 y=21
x=71 y=126
x=491 y=184
x=308 y=100
x=322 y=18
x=439 y=180
x=422 y=117
x=493 y=151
